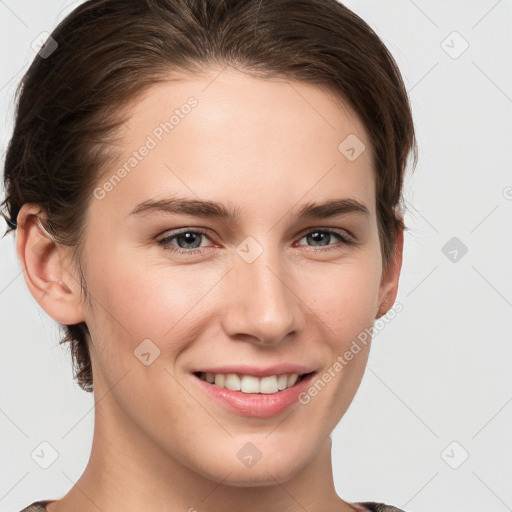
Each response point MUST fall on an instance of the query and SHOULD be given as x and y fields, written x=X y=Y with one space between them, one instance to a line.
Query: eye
x=188 y=241
x=322 y=236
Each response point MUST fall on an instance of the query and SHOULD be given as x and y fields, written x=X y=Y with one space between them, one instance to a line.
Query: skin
x=266 y=147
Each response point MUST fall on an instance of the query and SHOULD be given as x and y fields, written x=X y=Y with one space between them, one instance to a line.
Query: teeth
x=232 y=382
x=292 y=379
x=249 y=383
x=282 y=382
x=268 y=385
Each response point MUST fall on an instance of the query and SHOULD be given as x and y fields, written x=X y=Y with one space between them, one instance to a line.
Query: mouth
x=262 y=396
x=251 y=384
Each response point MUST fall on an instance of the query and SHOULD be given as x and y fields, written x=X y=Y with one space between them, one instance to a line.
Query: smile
x=250 y=383
x=236 y=392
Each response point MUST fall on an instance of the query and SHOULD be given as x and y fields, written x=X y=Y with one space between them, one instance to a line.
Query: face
x=177 y=289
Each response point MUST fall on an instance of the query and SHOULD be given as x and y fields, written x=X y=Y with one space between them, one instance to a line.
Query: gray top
x=372 y=506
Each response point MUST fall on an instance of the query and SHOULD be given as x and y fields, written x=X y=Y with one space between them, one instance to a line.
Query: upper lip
x=245 y=369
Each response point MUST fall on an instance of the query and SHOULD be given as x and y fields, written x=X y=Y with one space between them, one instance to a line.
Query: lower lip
x=259 y=405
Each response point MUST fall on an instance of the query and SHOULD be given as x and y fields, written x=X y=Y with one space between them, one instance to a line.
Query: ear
x=390 y=277
x=43 y=262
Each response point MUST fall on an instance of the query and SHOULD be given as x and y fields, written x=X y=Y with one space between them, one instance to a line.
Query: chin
x=262 y=476
x=277 y=463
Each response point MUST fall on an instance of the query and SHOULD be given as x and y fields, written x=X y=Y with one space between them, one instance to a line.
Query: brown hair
x=70 y=100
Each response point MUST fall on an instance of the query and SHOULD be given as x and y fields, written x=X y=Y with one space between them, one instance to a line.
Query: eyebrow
x=211 y=209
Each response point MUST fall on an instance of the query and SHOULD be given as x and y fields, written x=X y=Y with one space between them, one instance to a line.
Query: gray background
x=438 y=387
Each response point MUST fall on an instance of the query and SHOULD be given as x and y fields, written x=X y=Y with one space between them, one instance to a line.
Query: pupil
x=318 y=234
x=187 y=237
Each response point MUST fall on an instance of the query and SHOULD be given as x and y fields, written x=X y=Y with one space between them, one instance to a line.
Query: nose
x=262 y=306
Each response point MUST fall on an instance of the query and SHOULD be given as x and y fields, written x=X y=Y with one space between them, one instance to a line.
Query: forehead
x=229 y=98
x=226 y=134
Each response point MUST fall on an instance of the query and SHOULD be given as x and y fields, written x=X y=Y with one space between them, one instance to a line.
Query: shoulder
x=37 y=506
x=373 y=506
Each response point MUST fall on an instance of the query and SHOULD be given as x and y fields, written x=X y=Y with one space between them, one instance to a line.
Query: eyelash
x=165 y=242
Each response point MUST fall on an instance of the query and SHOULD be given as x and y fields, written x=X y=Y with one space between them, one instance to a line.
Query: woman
x=207 y=196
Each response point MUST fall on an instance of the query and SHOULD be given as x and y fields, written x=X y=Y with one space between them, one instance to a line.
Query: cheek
x=137 y=301
x=344 y=296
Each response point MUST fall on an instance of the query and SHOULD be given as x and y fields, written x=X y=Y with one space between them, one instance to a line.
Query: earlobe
x=390 y=277
x=46 y=276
